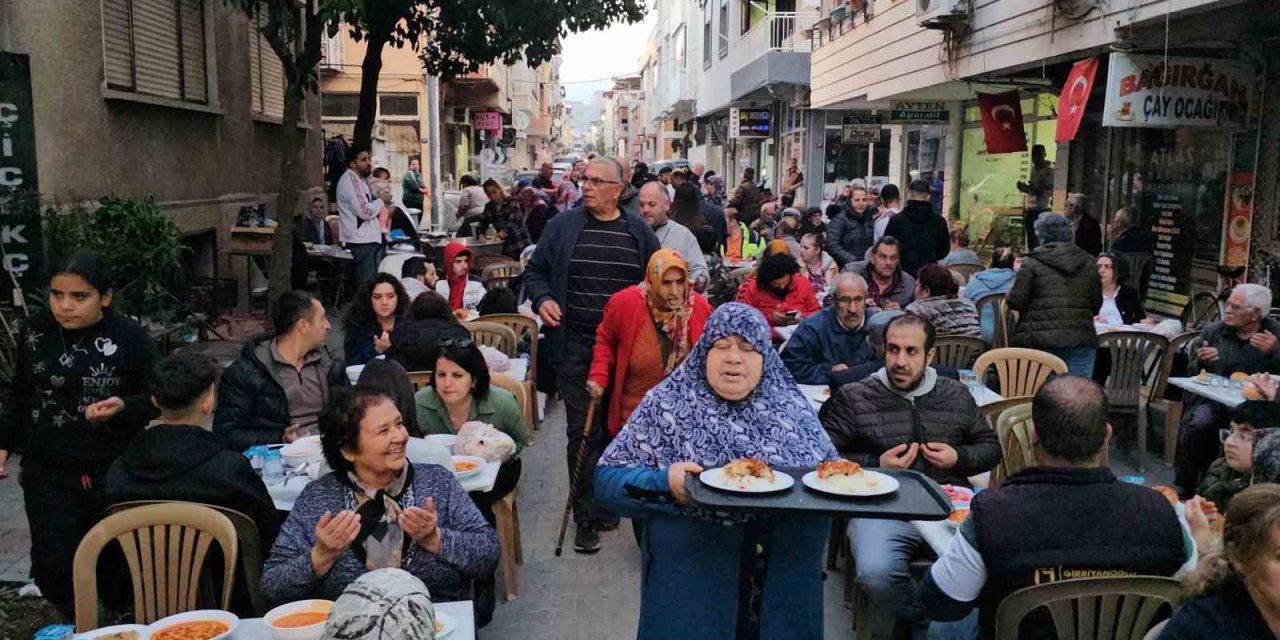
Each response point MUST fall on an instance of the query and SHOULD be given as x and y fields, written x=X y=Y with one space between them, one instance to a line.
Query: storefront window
x=844 y=162
x=1177 y=179
x=990 y=202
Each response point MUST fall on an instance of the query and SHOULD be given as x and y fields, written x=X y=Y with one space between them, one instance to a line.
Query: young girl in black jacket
x=77 y=399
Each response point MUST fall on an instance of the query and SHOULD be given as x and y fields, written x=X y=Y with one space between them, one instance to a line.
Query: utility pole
x=433 y=151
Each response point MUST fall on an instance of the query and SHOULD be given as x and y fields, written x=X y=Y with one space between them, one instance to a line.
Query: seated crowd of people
x=856 y=302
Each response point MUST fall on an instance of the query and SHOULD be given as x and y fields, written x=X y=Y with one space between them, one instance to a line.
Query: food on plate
x=957 y=494
x=120 y=635
x=826 y=393
x=1204 y=376
x=1168 y=493
x=842 y=467
x=844 y=476
x=193 y=630
x=745 y=472
x=439 y=627
x=464 y=466
x=1239 y=376
x=958 y=515
x=300 y=619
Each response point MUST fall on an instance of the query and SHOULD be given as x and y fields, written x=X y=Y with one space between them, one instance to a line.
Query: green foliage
x=142 y=246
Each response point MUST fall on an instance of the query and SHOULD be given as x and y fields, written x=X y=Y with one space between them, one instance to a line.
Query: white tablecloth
x=786 y=332
x=1229 y=396
x=816 y=393
x=285 y=493
x=461 y=612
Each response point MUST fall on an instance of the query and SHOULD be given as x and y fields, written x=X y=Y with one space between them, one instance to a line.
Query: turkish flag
x=1074 y=98
x=1002 y=122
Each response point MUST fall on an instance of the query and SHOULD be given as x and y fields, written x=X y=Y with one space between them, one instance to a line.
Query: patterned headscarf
x=674 y=323
x=387 y=604
x=1266 y=456
x=718 y=196
x=381 y=542
x=683 y=420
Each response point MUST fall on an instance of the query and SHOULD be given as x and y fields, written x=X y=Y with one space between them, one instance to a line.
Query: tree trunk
x=371 y=69
x=281 y=279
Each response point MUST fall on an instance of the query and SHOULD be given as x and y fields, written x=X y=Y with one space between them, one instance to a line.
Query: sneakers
x=586 y=539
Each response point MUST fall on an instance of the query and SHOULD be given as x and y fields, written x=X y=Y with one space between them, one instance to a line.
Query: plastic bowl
x=309 y=632
x=298 y=453
x=445 y=440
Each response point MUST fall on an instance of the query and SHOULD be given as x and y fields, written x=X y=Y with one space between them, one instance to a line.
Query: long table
x=461 y=612
x=283 y=494
x=1217 y=390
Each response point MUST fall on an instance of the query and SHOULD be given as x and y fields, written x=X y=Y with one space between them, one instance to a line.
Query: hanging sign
x=20 y=237
x=750 y=123
x=1154 y=91
x=860 y=129
x=918 y=112
x=487 y=121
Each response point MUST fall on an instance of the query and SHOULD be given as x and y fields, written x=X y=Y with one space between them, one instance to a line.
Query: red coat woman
x=635 y=355
x=780 y=292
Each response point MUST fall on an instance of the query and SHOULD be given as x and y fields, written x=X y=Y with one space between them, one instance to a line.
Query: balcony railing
x=780 y=31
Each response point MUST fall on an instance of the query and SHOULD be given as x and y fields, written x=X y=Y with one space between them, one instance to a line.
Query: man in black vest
x=1068 y=517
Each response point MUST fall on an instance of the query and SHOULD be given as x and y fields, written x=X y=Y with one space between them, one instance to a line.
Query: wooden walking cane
x=577 y=471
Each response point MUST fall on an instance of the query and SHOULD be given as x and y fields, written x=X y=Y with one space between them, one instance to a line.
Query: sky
x=599 y=55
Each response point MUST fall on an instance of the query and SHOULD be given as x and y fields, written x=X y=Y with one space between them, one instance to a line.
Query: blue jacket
x=820 y=343
x=689 y=584
x=984 y=283
x=547 y=275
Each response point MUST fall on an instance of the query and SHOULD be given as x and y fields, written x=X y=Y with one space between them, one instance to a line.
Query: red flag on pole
x=1074 y=98
x=1002 y=122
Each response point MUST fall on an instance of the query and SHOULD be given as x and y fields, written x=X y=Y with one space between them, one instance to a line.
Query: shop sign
x=918 y=112
x=860 y=129
x=20 y=237
x=750 y=123
x=487 y=121
x=1154 y=91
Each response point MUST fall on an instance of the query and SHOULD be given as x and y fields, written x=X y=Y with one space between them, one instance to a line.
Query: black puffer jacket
x=1058 y=293
x=849 y=236
x=922 y=233
x=252 y=407
x=865 y=419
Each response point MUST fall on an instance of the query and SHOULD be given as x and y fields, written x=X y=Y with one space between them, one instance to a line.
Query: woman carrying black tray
x=731 y=398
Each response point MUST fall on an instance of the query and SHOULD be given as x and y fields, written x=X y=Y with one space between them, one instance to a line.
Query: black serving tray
x=918 y=498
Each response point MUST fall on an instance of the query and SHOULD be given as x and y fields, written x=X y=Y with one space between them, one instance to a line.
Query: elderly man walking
x=585 y=255
x=654 y=208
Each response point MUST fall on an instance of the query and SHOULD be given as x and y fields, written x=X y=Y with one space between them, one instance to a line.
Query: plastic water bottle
x=272 y=466
x=255 y=455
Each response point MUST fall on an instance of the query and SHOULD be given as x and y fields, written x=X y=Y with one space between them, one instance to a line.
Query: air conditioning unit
x=458 y=115
x=942 y=14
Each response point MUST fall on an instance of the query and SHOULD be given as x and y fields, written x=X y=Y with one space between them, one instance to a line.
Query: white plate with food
x=746 y=475
x=445 y=624
x=467 y=466
x=845 y=478
x=209 y=624
x=116 y=632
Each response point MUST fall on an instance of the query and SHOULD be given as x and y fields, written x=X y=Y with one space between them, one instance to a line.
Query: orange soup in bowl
x=300 y=619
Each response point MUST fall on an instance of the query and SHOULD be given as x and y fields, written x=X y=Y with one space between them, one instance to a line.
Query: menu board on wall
x=1171 y=269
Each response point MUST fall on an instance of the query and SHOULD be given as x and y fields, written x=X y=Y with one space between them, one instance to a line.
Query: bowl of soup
x=301 y=620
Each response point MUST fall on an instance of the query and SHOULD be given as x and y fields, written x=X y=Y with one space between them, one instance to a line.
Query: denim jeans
x=882 y=553
x=1079 y=359
x=367 y=258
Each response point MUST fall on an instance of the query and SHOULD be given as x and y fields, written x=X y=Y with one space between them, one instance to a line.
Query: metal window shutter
x=195 y=84
x=156 y=48
x=117 y=47
x=272 y=82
